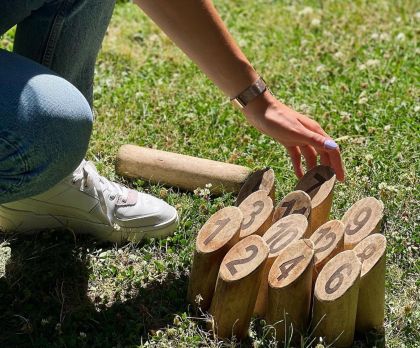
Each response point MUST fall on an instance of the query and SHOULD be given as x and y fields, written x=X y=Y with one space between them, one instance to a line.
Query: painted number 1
x=221 y=224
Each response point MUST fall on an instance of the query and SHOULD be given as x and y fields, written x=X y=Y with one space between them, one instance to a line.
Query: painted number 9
x=359 y=220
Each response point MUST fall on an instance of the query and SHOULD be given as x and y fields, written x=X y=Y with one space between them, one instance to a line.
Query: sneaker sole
x=27 y=222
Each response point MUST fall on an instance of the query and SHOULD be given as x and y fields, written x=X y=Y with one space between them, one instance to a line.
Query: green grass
x=352 y=65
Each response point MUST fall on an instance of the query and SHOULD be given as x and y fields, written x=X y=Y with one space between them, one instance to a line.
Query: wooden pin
x=278 y=237
x=329 y=241
x=289 y=290
x=335 y=300
x=371 y=303
x=174 y=169
x=258 y=214
x=237 y=286
x=296 y=202
x=318 y=183
x=215 y=238
x=362 y=219
x=263 y=179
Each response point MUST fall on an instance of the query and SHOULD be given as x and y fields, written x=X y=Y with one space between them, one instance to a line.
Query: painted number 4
x=286 y=267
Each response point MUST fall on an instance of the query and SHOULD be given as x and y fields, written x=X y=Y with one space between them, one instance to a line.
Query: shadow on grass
x=44 y=302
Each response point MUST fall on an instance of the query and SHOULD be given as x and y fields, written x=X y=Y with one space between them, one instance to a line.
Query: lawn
x=351 y=65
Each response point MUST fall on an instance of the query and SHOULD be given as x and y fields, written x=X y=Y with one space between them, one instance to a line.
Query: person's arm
x=196 y=27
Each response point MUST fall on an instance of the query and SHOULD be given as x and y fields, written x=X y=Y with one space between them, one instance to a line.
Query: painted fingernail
x=330 y=144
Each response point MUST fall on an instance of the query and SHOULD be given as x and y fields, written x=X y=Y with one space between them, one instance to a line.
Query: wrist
x=259 y=105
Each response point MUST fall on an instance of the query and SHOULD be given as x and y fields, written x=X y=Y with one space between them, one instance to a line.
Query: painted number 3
x=258 y=207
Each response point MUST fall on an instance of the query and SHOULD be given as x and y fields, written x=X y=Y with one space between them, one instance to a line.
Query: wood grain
x=335 y=299
x=237 y=286
x=176 y=170
x=318 y=183
x=371 y=304
x=289 y=290
x=215 y=238
x=257 y=209
x=362 y=219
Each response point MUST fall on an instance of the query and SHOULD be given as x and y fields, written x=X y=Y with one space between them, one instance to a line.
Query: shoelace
x=90 y=179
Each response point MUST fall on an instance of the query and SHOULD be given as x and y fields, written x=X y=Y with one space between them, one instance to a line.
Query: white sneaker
x=86 y=202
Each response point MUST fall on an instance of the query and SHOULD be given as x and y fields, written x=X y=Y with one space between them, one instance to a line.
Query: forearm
x=195 y=26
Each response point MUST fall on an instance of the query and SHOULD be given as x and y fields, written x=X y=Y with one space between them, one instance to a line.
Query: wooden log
x=278 y=237
x=318 y=183
x=296 y=202
x=362 y=219
x=215 y=238
x=329 y=241
x=371 y=303
x=237 y=286
x=185 y=172
x=263 y=179
x=257 y=209
x=335 y=300
x=290 y=289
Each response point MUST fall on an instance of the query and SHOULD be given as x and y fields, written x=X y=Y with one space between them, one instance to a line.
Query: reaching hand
x=298 y=133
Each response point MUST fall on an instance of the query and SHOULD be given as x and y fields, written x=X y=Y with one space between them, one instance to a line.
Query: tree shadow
x=44 y=299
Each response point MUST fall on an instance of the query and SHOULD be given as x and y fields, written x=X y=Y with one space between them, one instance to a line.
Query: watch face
x=237 y=103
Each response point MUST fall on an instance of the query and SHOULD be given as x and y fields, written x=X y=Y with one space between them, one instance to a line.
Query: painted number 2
x=258 y=207
x=221 y=224
x=231 y=266
x=359 y=220
x=325 y=233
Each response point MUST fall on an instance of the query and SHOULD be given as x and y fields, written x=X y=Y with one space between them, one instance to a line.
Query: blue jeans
x=46 y=90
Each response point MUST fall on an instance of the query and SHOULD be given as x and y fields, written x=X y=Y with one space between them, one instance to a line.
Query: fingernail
x=330 y=144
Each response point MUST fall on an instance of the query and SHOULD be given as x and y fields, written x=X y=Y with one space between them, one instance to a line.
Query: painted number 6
x=337 y=278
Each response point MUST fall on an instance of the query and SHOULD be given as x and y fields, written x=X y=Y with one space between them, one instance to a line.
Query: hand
x=298 y=133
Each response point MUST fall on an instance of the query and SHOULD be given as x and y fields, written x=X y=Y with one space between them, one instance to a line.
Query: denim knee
x=45 y=136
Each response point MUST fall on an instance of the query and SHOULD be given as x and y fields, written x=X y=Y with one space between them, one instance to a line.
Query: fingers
x=325 y=160
x=337 y=164
x=312 y=125
x=328 y=147
x=295 y=156
x=310 y=156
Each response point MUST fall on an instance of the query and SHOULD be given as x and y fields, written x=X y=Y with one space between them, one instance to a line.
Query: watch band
x=250 y=93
